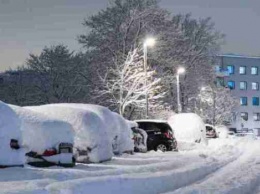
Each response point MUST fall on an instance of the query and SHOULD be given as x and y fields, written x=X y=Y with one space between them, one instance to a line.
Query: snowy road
x=224 y=166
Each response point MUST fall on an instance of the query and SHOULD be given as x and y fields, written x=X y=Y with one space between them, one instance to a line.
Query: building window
x=242 y=70
x=243 y=101
x=256 y=116
x=231 y=85
x=244 y=116
x=255 y=101
x=231 y=69
x=242 y=85
x=254 y=70
x=255 y=86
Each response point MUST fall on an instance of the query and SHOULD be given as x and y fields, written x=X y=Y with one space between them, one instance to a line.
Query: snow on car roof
x=151 y=120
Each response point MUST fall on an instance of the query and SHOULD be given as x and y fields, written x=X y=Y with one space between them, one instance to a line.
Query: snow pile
x=40 y=132
x=188 y=127
x=117 y=128
x=222 y=131
x=91 y=138
x=10 y=129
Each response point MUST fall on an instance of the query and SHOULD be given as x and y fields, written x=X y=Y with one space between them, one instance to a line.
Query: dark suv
x=160 y=135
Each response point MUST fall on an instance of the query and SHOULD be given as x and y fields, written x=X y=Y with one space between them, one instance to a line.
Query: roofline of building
x=239 y=56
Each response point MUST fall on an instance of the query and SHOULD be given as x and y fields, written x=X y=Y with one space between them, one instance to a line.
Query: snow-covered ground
x=224 y=166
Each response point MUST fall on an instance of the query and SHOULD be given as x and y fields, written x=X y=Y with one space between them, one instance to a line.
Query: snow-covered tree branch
x=125 y=84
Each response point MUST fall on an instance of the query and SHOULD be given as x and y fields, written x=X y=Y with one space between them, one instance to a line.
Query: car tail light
x=168 y=135
x=14 y=144
x=49 y=152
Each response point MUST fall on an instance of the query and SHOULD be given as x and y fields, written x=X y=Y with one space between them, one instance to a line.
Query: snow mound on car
x=188 y=127
x=10 y=129
x=90 y=133
x=41 y=132
x=222 y=131
x=117 y=128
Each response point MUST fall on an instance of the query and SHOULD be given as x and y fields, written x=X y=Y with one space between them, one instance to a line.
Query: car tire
x=162 y=147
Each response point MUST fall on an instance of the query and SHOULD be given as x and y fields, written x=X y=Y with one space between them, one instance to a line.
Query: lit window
x=254 y=70
x=255 y=86
x=242 y=70
x=255 y=101
x=242 y=85
x=256 y=116
x=231 y=85
x=244 y=116
x=230 y=69
x=243 y=101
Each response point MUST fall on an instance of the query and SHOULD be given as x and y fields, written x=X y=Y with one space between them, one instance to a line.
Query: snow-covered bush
x=10 y=129
x=41 y=132
x=91 y=139
x=222 y=131
x=188 y=127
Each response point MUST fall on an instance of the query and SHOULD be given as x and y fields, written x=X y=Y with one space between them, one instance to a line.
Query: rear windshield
x=162 y=127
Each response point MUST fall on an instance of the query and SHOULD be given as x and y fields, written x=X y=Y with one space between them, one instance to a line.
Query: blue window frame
x=231 y=85
x=255 y=101
x=231 y=69
x=243 y=101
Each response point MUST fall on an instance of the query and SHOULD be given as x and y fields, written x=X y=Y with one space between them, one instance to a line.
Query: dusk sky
x=26 y=26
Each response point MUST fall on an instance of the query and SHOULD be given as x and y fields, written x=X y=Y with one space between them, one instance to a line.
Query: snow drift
x=188 y=127
x=10 y=129
x=41 y=132
x=91 y=138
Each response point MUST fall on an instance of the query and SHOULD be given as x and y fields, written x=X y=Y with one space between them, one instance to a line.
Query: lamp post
x=180 y=70
x=149 y=42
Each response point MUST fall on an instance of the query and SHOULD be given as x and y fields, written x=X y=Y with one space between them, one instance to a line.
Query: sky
x=27 y=26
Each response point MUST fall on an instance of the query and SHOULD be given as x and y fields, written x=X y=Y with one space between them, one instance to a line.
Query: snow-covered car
x=117 y=128
x=11 y=151
x=210 y=131
x=139 y=138
x=160 y=135
x=48 y=141
x=188 y=127
x=92 y=143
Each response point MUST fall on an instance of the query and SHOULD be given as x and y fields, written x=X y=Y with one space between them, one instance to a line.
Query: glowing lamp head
x=149 y=42
x=181 y=70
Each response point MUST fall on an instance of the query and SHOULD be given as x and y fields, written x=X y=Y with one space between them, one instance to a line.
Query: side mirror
x=14 y=144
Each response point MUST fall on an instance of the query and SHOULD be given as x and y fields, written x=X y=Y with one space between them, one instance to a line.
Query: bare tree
x=215 y=105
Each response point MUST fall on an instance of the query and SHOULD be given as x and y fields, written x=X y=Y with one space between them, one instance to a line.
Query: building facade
x=243 y=79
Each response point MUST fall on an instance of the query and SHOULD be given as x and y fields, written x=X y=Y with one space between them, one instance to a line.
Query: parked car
x=160 y=135
x=11 y=151
x=140 y=139
x=211 y=131
x=47 y=141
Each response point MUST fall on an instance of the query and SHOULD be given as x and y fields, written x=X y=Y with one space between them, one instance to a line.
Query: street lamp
x=149 y=42
x=180 y=70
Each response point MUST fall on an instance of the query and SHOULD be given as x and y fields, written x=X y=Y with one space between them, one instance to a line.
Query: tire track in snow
x=239 y=177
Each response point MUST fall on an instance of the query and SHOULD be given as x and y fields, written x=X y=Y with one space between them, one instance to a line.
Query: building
x=243 y=79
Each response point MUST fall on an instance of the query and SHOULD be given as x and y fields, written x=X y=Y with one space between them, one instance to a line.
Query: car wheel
x=161 y=147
